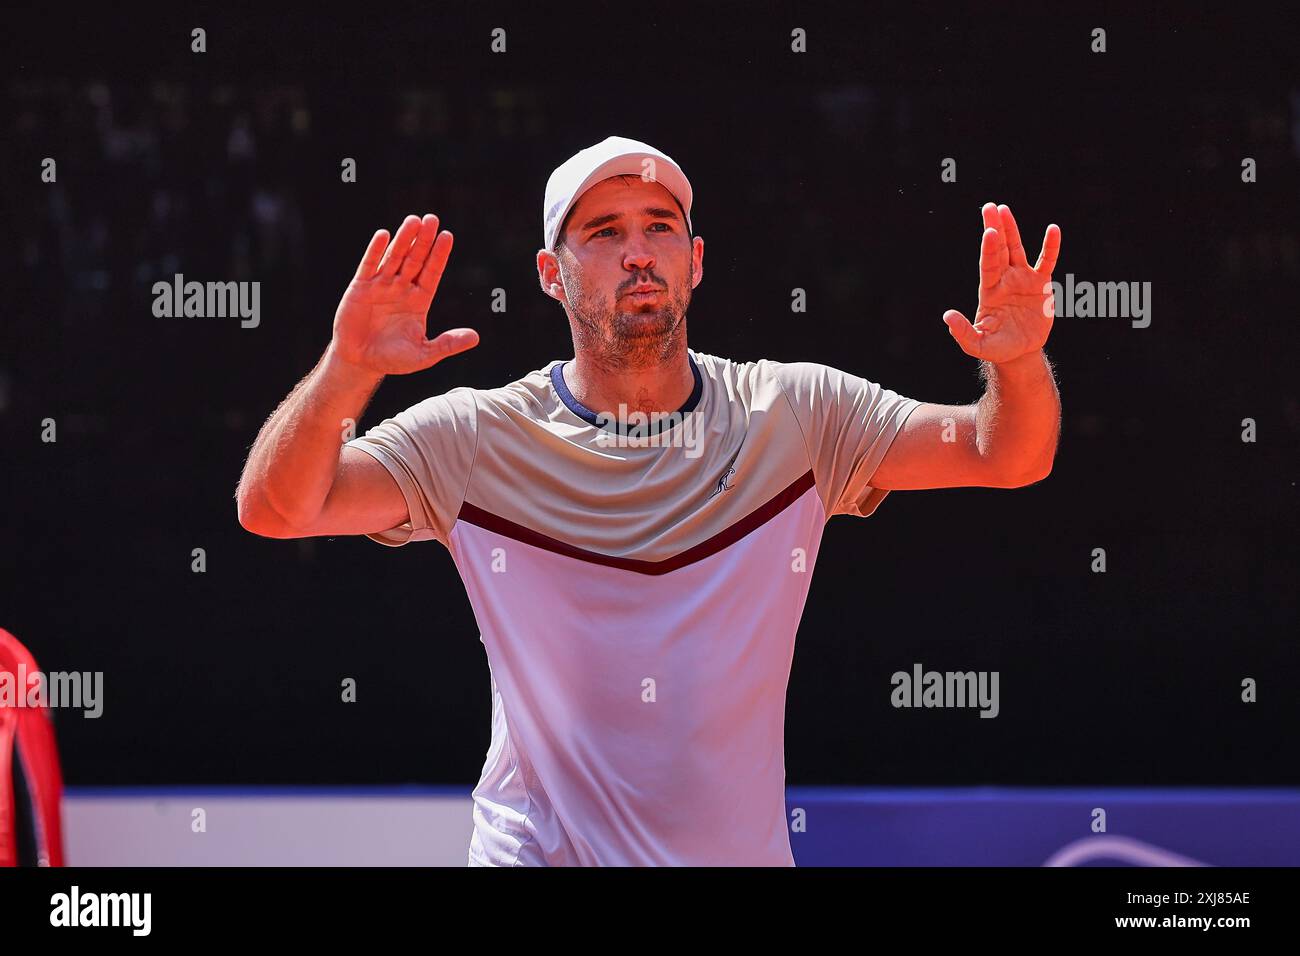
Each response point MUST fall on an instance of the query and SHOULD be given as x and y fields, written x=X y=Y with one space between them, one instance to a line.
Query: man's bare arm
x=1005 y=440
x=299 y=480
x=298 y=459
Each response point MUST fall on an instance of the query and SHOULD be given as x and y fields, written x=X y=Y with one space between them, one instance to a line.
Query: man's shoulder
x=744 y=372
x=759 y=367
x=531 y=394
x=752 y=378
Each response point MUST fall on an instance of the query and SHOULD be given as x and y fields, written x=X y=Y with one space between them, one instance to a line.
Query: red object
x=31 y=783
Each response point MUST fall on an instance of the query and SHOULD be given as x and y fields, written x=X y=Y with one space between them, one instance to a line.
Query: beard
x=619 y=335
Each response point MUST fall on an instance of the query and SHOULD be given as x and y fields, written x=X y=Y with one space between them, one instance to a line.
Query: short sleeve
x=429 y=450
x=848 y=424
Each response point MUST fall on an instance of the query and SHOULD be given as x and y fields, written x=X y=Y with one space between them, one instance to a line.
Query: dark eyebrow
x=654 y=212
x=601 y=220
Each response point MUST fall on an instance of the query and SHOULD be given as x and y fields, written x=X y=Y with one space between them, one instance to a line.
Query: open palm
x=380 y=322
x=1015 y=310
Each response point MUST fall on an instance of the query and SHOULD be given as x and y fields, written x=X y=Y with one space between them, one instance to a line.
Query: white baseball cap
x=613 y=156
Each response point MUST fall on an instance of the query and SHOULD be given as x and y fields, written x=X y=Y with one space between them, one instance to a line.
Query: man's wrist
x=346 y=375
x=1023 y=368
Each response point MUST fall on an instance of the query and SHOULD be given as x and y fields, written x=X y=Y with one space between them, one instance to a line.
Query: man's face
x=626 y=269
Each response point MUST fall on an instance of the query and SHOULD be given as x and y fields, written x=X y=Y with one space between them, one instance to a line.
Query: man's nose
x=638 y=258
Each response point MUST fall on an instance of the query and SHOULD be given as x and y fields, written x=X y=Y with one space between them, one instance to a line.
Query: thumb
x=965 y=333
x=449 y=343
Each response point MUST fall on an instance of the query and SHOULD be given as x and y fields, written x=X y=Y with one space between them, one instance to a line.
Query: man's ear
x=697 y=261
x=548 y=274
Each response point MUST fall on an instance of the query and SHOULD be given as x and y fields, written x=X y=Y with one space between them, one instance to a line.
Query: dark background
x=820 y=171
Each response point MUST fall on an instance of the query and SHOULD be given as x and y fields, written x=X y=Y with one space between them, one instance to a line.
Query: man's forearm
x=293 y=462
x=1018 y=420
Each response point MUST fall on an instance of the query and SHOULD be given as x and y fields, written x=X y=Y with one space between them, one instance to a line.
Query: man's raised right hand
x=380 y=323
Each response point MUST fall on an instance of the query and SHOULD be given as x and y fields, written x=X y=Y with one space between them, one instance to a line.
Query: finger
x=1015 y=250
x=414 y=261
x=1051 y=250
x=449 y=343
x=400 y=246
x=370 y=261
x=989 y=212
x=993 y=258
x=966 y=335
x=431 y=274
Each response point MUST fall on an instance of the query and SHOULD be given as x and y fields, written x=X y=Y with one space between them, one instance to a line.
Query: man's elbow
x=256 y=517
x=249 y=518
x=1028 y=477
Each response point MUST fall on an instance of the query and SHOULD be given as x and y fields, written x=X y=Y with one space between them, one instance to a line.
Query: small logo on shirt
x=723 y=483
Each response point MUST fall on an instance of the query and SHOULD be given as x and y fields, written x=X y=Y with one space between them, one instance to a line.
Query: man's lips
x=644 y=292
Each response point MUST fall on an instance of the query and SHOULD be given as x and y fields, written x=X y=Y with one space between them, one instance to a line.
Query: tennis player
x=636 y=527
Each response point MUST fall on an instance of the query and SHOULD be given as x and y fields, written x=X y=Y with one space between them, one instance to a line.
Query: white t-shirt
x=638 y=599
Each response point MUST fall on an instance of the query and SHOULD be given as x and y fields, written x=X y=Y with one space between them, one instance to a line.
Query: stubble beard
x=618 y=338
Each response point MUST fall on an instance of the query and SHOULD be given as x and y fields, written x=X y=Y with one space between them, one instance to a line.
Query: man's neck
x=661 y=388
